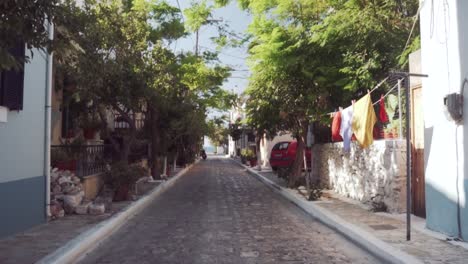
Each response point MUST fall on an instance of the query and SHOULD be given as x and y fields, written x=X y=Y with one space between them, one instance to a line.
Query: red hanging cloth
x=335 y=127
x=382 y=113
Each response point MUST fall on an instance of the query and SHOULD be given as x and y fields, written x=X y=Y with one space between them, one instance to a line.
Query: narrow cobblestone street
x=217 y=213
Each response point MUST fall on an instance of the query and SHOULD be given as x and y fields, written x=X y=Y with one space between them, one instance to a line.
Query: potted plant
x=123 y=177
x=391 y=107
x=90 y=124
x=65 y=156
x=243 y=155
x=251 y=157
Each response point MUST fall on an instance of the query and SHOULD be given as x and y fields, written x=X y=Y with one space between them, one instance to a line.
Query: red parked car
x=283 y=155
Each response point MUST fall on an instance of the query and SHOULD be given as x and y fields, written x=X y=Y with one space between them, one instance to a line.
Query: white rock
x=64 y=179
x=82 y=208
x=75 y=180
x=56 y=189
x=71 y=201
x=96 y=209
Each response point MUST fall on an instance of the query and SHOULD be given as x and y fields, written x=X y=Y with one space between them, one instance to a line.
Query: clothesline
x=377 y=86
x=393 y=88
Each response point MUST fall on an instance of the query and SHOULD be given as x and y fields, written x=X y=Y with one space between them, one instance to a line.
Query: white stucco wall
x=22 y=136
x=444 y=44
x=373 y=175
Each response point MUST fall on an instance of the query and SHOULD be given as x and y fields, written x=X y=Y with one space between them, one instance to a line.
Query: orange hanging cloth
x=335 y=127
x=363 y=121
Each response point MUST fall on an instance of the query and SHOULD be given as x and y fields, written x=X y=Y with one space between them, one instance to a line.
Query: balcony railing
x=120 y=123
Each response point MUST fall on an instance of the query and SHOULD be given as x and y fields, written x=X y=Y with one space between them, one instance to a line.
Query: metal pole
x=196 y=44
x=399 y=109
x=408 y=160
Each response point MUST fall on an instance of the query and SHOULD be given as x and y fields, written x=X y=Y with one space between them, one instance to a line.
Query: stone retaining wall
x=373 y=176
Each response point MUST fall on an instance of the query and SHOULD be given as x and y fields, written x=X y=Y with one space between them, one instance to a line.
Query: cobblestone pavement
x=429 y=249
x=217 y=213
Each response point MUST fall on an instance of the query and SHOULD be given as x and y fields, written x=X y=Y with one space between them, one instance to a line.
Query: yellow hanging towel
x=363 y=121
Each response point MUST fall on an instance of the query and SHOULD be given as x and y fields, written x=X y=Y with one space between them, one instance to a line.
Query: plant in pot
x=65 y=156
x=59 y=158
x=391 y=106
x=123 y=177
x=243 y=156
x=251 y=157
x=90 y=124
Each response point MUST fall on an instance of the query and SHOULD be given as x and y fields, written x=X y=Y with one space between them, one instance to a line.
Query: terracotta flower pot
x=253 y=162
x=89 y=133
x=66 y=165
x=122 y=193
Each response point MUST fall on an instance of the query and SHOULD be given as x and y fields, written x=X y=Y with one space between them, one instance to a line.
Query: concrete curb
x=77 y=248
x=357 y=235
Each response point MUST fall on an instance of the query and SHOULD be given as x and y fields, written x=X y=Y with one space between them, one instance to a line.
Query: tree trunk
x=296 y=169
x=155 y=144
x=258 y=139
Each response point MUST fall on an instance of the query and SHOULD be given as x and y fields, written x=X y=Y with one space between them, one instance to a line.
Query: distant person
x=203 y=154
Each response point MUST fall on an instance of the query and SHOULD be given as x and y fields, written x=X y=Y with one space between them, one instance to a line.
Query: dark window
x=250 y=137
x=70 y=113
x=12 y=82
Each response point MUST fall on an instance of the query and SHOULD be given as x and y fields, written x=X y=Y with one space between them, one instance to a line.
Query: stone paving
x=427 y=248
x=217 y=213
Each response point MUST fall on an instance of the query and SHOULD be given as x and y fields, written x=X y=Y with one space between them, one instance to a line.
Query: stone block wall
x=372 y=176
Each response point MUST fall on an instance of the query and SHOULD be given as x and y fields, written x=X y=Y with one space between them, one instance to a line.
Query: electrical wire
x=226 y=54
x=412 y=28
x=183 y=19
x=389 y=91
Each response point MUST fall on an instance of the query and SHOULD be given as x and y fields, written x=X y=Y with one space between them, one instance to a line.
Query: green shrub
x=122 y=174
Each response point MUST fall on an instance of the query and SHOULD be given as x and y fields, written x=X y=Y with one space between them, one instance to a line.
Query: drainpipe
x=47 y=129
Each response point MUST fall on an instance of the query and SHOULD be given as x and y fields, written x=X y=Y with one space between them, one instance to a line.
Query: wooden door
x=417 y=152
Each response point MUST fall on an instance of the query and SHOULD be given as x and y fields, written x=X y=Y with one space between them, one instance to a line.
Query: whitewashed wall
x=375 y=174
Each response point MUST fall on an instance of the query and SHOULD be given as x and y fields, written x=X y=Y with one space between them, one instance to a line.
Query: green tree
x=218 y=132
x=24 y=21
x=308 y=57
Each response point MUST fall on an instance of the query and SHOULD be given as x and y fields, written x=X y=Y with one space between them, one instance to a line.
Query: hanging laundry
x=363 y=121
x=382 y=113
x=335 y=127
x=346 y=131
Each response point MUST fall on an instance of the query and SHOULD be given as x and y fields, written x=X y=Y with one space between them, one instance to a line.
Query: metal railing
x=120 y=123
x=87 y=160
x=84 y=160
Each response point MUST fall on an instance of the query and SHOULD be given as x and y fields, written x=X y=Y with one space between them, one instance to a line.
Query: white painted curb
x=357 y=235
x=77 y=248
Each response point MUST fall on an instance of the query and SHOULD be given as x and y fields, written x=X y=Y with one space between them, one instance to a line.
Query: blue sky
x=238 y=21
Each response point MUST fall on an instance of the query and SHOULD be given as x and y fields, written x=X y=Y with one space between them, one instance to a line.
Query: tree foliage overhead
x=118 y=59
x=308 y=57
x=24 y=21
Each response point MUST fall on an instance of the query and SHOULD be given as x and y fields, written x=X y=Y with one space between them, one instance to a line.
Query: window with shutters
x=12 y=82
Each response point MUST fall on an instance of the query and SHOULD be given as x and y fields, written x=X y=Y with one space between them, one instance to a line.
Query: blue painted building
x=22 y=145
x=444 y=57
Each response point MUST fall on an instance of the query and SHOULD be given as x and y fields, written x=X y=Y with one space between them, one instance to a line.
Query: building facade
x=444 y=57
x=22 y=145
